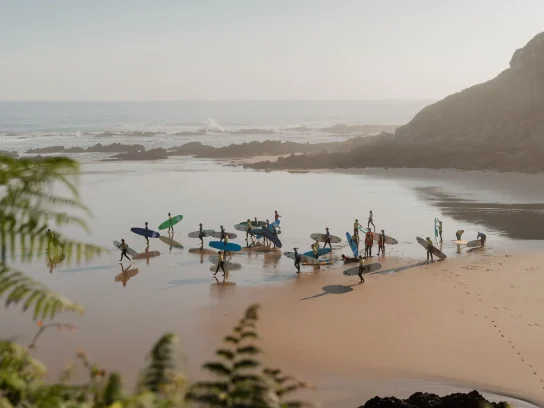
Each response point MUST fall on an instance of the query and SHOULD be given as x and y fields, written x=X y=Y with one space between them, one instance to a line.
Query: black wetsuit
x=297 y=260
x=327 y=240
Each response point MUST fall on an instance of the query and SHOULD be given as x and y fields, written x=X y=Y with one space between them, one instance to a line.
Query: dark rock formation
x=153 y=154
x=50 y=149
x=424 y=400
x=497 y=125
x=341 y=129
x=107 y=134
x=116 y=148
x=13 y=154
x=75 y=149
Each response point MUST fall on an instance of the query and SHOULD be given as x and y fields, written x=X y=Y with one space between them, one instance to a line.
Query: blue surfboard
x=275 y=223
x=353 y=245
x=271 y=237
x=145 y=233
x=320 y=252
x=229 y=246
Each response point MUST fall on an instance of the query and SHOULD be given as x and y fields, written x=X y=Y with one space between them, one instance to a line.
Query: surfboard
x=320 y=252
x=146 y=255
x=214 y=259
x=145 y=233
x=369 y=268
x=353 y=245
x=256 y=231
x=206 y=233
x=275 y=223
x=458 y=242
x=363 y=230
x=436 y=252
x=130 y=251
x=474 y=243
x=272 y=238
x=388 y=239
x=170 y=242
x=229 y=246
x=231 y=235
x=303 y=258
x=166 y=223
x=321 y=238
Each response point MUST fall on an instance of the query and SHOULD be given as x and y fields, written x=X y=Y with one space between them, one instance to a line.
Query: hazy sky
x=257 y=49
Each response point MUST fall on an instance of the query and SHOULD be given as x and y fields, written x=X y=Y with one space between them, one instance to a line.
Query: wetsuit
x=362 y=262
x=124 y=248
x=146 y=238
x=327 y=239
x=482 y=238
x=222 y=234
x=370 y=217
x=171 y=227
x=248 y=230
x=220 y=264
x=200 y=236
x=297 y=261
x=430 y=249
x=369 y=240
x=440 y=230
x=381 y=244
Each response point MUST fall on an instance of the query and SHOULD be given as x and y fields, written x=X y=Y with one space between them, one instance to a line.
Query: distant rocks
x=153 y=154
x=13 y=154
x=48 y=150
x=425 y=400
x=341 y=129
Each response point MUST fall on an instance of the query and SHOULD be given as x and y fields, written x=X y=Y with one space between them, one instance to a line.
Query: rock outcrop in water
x=497 y=125
x=153 y=154
x=424 y=400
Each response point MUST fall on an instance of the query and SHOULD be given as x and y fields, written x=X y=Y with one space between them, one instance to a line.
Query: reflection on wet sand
x=517 y=221
x=221 y=288
x=126 y=274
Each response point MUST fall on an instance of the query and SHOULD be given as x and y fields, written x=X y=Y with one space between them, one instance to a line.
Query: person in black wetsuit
x=201 y=235
x=124 y=248
x=248 y=231
x=362 y=262
x=482 y=237
x=297 y=260
x=147 y=229
x=220 y=263
x=222 y=234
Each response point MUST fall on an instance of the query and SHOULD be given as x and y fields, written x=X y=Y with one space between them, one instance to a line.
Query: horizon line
x=221 y=100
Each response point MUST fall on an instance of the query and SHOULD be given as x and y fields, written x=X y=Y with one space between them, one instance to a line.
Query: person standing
x=356 y=226
x=430 y=248
x=146 y=238
x=201 y=235
x=440 y=229
x=315 y=248
x=124 y=248
x=381 y=243
x=362 y=262
x=222 y=234
x=276 y=215
x=297 y=260
x=248 y=231
x=482 y=237
x=170 y=226
x=220 y=263
x=369 y=241
x=370 y=220
x=327 y=238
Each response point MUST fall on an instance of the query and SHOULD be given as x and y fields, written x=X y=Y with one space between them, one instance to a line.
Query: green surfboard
x=175 y=220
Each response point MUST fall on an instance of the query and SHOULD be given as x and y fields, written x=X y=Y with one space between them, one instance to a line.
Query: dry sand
x=476 y=321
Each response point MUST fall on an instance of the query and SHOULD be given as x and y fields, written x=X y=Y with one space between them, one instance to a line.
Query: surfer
x=430 y=247
x=276 y=215
x=226 y=242
x=356 y=226
x=362 y=262
x=146 y=238
x=124 y=248
x=481 y=236
x=370 y=218
x=458 y=234
x=440 y=229
x=327 y=238
x=297 y=260
x=201 y=235
x=248 y=231
x=348 y=260
x=223 y=235
x=315 y=248
x=170 y=227
x=220 y=263
x=369 y=240
x=381 y=243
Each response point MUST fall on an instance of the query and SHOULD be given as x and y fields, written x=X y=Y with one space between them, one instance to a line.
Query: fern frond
x=19 y=288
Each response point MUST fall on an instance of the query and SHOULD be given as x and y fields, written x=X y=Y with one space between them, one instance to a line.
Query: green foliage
x=27 y=206
x=241 y=382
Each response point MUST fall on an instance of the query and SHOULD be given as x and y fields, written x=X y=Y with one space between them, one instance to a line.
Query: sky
x=257 y=49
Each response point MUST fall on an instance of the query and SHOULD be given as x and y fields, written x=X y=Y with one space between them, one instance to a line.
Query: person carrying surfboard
x=297 y=260
x=315 y=248
x=369 y=241
x=381 y=243
x=327 y=238
x=362 y=262
x=276 y=215
x=146 y=238
x=201 y=235
x=222 y=234
x=458 y=234
x=430 y=247
x=170 y=226
x=226 y=242
x=220 y=263
x=482 y=237
x=124 y=248
x=248 y=231
x=370 y=218
x=356 y=226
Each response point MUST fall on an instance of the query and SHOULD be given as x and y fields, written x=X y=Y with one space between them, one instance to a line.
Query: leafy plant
x=241 y=382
